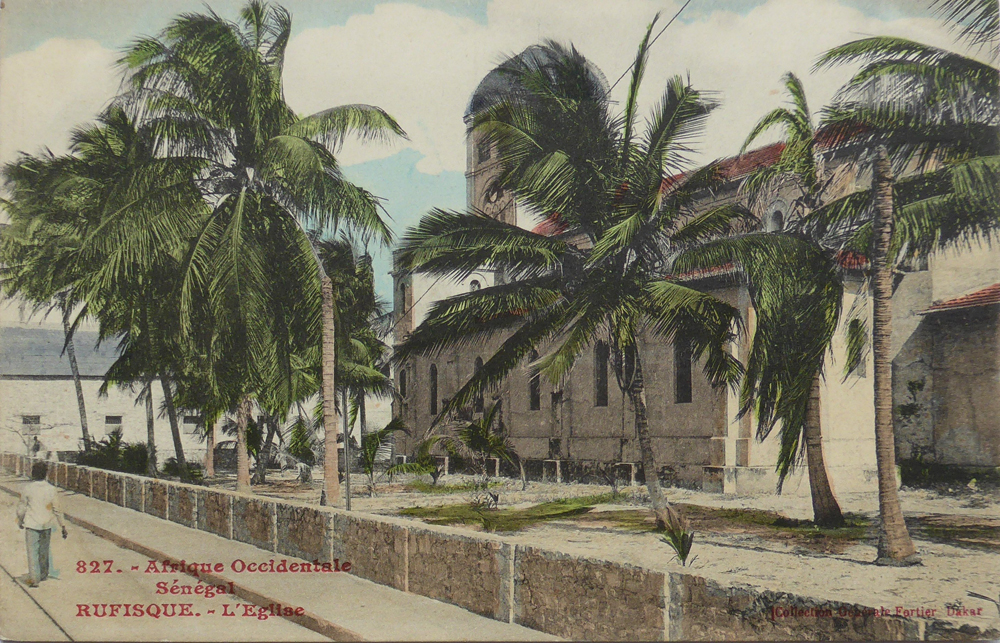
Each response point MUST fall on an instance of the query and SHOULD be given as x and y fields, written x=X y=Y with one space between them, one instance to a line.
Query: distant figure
x=305 y=472
x=38 y=515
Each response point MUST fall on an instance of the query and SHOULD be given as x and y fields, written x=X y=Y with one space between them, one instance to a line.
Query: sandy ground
x=941 y=583
x=390 y=498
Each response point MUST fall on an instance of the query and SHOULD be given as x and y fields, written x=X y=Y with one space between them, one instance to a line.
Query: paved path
x=49 y=613
x=336 y=606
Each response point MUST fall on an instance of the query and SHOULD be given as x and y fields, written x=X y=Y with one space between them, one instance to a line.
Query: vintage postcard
x=490 y=320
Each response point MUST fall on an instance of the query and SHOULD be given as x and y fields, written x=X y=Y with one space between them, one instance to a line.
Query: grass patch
x=509 y=519
x=766 y=524
x=854 y=528
x=959 y=531
x=419 y=486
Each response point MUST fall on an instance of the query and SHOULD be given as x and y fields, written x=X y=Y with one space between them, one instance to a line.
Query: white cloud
x=46 y=92
x=422 y=65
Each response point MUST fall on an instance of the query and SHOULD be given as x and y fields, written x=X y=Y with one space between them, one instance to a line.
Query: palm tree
x=210 y=89
x=616 y=274
x=363 y=320
x=565 y=152
x=371 y=444
x=299 y=443
x=477 y=443
x=912 y=102
x=146 y=208
x=797 y=165
x=46 y=229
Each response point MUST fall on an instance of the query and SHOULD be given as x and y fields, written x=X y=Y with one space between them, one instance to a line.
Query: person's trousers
x=38 y=543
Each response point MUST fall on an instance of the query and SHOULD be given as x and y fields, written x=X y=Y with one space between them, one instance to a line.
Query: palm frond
x=456 y=244
x=332 y=126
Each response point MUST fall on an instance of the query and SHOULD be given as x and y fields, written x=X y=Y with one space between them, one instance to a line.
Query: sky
x=421 y=60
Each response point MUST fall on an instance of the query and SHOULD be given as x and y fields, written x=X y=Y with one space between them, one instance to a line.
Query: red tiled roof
x=551 y=226
x=846 y=259
x=988 y=296
x=851 y=260
x=833 y=136
x=703 y=273
x=737 y=166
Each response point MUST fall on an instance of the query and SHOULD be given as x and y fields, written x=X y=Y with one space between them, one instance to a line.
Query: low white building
x=38 y=402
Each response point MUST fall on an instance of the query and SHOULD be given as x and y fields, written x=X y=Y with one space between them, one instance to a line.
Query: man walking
x=37 y=513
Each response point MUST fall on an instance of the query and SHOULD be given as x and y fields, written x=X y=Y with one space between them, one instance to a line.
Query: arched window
x=483 y=151
x=434 y=389
x=478 y=404
x=600 y=374
x=474 y=285
x=402 y=382
x=402 y=299
x=535 y=388
x=774 y=222
x=682 y=370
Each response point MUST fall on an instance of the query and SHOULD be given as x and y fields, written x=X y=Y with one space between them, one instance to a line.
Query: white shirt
x=38 y=506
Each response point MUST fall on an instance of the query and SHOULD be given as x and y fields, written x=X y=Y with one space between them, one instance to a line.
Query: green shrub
x=171 y=468
x=680 y=540
x=114 y=454
x=135 y=457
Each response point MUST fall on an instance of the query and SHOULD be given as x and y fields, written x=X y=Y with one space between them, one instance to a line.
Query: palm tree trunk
x=826 y=510
x=243 y=411
x=362 y=415
x=666 y=516
x=71 y=352
x=150 y=433
x=175 y=429
x=894 y=544
x=209 y=450
x=262 y=460
x=331 y=482
x=347 y=451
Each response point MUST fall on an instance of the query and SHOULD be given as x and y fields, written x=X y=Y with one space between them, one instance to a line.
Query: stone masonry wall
x=71 y=475
x=183 y=503
x=702 y=610
x=376 y=548
x=215 y=513
x=155 y=498
x=82 y=481
x=253 y=522
x=457 y=568
x=568 y=596
x=587 y=599
x=116 y=490
x=99 y=484
x=304 y=532
x=133 y=492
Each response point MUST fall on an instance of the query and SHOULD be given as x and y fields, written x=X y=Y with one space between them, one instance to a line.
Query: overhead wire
x=629 y=68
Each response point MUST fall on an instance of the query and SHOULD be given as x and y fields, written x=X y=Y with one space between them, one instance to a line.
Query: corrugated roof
x=35 y=352
x=989 y=296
